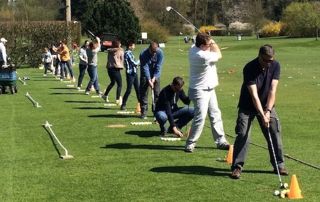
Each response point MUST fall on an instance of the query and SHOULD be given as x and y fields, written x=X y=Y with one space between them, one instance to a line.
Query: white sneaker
x=87 y=92
x=44 y=74
x=78 y=88
x=119 y=102
x=106 y=98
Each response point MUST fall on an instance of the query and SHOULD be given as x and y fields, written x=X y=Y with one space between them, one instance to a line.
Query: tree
x=302 y=19
x=112 y=16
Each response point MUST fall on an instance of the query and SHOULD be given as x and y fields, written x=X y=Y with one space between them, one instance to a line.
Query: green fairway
x=132 y=163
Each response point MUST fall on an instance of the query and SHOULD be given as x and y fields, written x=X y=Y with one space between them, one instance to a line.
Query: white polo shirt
x=203 y=71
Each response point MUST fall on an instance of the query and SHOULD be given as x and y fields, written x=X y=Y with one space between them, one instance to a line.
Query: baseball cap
x=3 y=40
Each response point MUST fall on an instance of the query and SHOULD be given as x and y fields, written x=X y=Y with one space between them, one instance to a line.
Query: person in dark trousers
x=83 y=62
x=151 y=60
x=131 y=66
x=257 y=99
x=114 y=65
x=167 y=108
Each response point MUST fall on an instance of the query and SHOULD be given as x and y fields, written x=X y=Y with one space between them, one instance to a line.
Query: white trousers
x=205 y=101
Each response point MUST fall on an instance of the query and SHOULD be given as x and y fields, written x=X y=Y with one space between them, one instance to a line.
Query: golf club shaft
x=152 y=97
x=274 y=157
x=185 y=19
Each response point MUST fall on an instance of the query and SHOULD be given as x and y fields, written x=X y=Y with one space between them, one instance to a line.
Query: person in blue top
x=167 y=108
x=257 y=99
x=151 y=60
x=131 y=66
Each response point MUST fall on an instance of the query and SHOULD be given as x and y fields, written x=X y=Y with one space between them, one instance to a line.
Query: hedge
x=26 y=40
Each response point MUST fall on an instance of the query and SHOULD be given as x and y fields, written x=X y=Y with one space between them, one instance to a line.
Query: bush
x=26 y=40
x=271 y=29
x=240 y=28
x=155 y=31
x=302 y=19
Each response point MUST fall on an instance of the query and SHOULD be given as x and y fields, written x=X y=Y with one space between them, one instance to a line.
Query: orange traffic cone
x=229 y=155
x=295 y=191
x=138 y=109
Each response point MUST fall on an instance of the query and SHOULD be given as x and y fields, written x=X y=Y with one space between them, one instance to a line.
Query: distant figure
x=47 y=61
x=65 y=61
x=257 y=99
x=3 y=52
x=92 y=54
x=151 y=60
x=167 y=108
x=83 y=62
x=131 y=66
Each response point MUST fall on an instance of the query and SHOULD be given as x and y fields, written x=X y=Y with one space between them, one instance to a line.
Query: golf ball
x=276 y=192
x=285 y=185
x=282 y=195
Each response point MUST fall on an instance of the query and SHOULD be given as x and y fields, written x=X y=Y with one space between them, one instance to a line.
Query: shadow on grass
x=143 y=133
x=142 y=146
x=193 y=170
x=66 y=93
x=64 y=88
x=147 y=146
x=81 y=101
x=53 y=80
x=53 y=142
x=112 y=116
x=88 y=108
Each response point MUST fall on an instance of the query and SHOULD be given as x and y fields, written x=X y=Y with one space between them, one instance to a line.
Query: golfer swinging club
x=257 y=99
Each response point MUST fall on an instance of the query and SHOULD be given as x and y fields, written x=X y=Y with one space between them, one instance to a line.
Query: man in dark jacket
x=167 y=108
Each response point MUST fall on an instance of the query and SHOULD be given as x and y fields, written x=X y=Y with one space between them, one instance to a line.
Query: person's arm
x=271 y=97
x=144 y=65
x=215 y=48
x=158 y=66
x=257 y=103
x=82 y=55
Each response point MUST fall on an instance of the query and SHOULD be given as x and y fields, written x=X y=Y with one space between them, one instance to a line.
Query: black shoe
x=236 y=173
x=282 y=171
x=223 y=146
x=123 y=107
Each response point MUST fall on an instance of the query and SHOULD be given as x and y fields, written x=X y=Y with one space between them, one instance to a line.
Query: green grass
x=132 y=163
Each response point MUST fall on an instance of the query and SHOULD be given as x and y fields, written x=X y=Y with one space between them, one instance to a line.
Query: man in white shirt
x=203 y=80
x=3 y=52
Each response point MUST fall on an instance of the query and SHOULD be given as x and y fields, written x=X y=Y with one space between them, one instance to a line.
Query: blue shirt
x=151 y=65
x=253 y=74
x=129 y=62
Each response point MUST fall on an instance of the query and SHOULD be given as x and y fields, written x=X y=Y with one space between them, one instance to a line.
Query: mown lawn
x=132 y=163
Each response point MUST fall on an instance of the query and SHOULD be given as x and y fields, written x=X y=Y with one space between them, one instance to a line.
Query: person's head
x=177 y=84
x=3 y=40
x=85 y=44
x=116 y=44
x=266 y=54
x=153 y=47
x=131 y=45
x=203 y=41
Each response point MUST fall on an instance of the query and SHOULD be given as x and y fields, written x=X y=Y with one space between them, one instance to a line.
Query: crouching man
x=167 y=108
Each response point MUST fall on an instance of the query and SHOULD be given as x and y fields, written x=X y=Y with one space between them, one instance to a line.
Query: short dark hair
x=202 y=39
x=130 y=43
x=115 y=43
x=266 y=50
x=178 y=81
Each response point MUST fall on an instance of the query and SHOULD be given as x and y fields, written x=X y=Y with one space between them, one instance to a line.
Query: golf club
x=275 y=159
x=152 y=97
x=169 y=8
x=90 y=33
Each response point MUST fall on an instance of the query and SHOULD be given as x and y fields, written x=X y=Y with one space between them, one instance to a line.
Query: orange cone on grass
x=295 y=191
x=230 y=155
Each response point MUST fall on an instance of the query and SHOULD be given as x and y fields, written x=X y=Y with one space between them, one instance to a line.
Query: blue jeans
x=93 y=74
x=82 y=71
x=182 y=116
x=64 y=66
x=132 y=79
